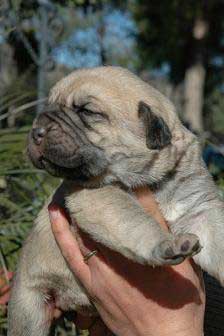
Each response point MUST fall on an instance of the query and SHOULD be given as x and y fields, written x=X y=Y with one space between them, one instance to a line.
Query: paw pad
x=174 y=251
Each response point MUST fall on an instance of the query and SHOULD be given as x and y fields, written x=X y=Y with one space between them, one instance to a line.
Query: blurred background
x=176 y=45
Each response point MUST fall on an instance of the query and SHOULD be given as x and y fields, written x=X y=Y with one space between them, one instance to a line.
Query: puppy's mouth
x=66 y=159
x=58 y=143
x=61 y=171
x=58 y=165
x=50 y=147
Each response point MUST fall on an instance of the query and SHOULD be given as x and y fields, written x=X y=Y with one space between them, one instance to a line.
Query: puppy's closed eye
x=89 y=115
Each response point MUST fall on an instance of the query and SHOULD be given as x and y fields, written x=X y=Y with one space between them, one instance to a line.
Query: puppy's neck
x=190 y=190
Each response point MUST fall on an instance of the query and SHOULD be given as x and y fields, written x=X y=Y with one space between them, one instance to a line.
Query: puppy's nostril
x=38 y=133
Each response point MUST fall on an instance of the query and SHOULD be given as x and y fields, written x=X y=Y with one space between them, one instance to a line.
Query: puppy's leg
x=209 y=226
x=28 y=313
x=114 y=218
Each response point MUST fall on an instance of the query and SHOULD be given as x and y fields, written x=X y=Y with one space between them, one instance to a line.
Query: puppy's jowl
x=107 y=131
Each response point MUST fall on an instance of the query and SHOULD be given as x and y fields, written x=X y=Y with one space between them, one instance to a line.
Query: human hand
x=5 y=277
x=133 y=299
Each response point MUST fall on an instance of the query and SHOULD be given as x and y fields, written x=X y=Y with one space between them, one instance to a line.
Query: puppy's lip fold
x=63 y=172
x=71 y=160
x=37 y=160
x=47 y=161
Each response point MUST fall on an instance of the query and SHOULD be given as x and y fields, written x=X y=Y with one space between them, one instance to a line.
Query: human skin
x=132 y=299
x=5 y=277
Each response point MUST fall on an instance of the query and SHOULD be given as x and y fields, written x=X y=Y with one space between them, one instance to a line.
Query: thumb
x=68 y=244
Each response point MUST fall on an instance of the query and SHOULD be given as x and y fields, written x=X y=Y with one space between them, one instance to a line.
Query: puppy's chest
x=173 y=212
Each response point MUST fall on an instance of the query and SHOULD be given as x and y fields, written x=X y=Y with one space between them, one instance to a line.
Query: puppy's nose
x=38 y=134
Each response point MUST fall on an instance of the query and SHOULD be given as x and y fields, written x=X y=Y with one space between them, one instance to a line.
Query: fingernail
x=53 y=211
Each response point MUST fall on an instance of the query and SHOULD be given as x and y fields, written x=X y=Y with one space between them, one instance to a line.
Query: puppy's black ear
x=158 y=134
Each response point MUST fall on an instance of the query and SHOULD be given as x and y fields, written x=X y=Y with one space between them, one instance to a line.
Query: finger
x=147 y=200
x=57 y=313
x=4 y=288
x=87 y=245
x=68 y=244
x=5 y=273
x=4 y=298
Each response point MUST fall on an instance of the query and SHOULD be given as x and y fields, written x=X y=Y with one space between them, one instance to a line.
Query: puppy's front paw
x=173 y=252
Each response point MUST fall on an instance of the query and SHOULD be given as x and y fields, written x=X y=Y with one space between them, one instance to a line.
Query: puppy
x=107 y=132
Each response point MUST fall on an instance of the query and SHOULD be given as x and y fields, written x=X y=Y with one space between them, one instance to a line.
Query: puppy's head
x=105 y=123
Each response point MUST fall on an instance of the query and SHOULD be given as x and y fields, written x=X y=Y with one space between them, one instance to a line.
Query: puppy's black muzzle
x=58 y=144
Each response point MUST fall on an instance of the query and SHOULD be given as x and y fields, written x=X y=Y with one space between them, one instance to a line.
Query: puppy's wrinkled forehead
x=95 y=89
x=110 y=90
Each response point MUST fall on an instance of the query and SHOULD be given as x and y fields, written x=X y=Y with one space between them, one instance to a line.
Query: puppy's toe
x=188 y=244
x=174 y=251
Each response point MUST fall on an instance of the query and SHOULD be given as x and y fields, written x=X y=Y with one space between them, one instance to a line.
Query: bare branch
x=22 y=108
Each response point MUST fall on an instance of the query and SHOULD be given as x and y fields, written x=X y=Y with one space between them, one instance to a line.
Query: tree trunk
x=195 y=78
x=194 y=96
x=43 y=53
